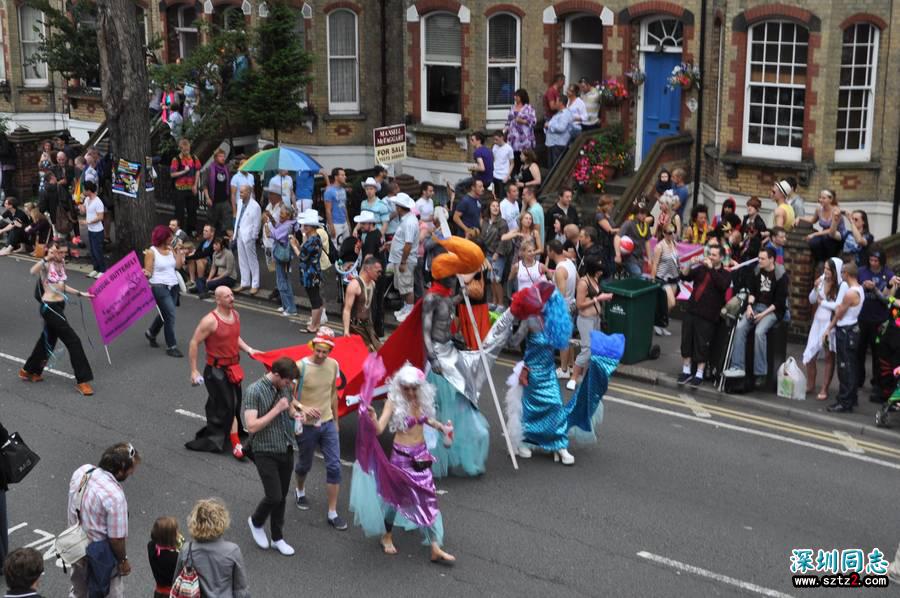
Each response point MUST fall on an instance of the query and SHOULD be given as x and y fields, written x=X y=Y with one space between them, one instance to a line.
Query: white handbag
x=71 y=545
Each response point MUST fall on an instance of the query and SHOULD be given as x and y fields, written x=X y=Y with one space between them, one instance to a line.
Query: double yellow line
x=766 y=422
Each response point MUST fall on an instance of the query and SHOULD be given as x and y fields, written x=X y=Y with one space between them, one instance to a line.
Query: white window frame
x=567 y=45
x=180 y=27
x=760 y=150
x=343 y=107
x=864 y=154
x=3 y=54
x=26 y=80
x=497 y=116
x=450 y=120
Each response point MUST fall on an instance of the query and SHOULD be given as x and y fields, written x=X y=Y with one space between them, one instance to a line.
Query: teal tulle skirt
x=370 y=512
x=468 y=453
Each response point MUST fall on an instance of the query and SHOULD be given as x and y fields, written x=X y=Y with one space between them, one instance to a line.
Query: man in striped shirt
x=591 y=97
x=103 y=512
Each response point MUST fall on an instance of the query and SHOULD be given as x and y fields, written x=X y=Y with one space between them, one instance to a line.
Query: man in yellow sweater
x=317 y=397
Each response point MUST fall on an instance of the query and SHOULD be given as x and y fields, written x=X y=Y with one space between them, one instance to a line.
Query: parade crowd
x=532 y=269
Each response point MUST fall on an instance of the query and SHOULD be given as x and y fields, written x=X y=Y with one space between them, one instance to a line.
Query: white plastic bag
x=791 y=380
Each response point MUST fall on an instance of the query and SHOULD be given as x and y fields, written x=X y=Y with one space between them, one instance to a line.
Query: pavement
x=683 y=495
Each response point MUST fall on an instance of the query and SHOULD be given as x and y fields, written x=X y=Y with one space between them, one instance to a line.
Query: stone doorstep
x=773 y=404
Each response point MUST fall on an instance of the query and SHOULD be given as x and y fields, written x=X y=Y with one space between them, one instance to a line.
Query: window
x=856 y=95
x=143 y=32
x=663 y=35
x=2 y=55
x=583 y=48
x=441 y=70
x=229 y=18
x=31 y=23
x=502 y=65
x=186 y=29
x=343 y=63
x=775 y=98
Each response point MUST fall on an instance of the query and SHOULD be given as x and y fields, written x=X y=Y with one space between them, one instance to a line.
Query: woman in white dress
x=824 y=295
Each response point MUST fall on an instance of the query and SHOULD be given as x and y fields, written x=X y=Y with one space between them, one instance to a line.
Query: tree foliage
x=68 y=41
x=281 y=74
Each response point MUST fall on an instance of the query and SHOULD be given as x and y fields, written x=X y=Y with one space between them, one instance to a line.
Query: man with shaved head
x=220 y=331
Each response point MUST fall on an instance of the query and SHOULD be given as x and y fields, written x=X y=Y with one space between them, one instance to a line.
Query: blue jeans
x=762 y=327
x=95 y=239
x=847 y=344
x=166 y=299
x=633 y=267
x=283 y=284
x=324 y=437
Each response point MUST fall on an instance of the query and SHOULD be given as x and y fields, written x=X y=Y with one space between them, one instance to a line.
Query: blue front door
x=662 y=106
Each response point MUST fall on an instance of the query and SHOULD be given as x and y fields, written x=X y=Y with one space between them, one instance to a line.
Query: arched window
x=343 y=63
x=186 y=29
x=775 y=98
x=502 y=64
x=35 y=74
x=664 y=34
x=856 y=95
x=583 y=48
x=229 y=18
x=441 y=41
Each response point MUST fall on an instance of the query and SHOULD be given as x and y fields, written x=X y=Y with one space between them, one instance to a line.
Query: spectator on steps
x=558 y=132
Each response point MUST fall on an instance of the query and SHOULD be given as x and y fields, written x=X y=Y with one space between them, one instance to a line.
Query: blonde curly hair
x=208 y=520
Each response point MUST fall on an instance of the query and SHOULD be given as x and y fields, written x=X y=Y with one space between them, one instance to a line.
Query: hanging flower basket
x=685 y=76
x=613 y=92
x=635 y=76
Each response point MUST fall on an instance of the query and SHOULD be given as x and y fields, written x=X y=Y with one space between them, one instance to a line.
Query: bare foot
x=387 y=544
x=441 y=557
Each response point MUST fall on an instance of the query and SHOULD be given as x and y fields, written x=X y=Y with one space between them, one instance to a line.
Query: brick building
x=797 y=88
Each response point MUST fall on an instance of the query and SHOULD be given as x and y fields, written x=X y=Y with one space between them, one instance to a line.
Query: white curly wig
x=409 y=375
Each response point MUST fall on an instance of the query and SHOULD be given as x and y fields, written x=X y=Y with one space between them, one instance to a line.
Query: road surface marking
x=727 y=426
x=743 y=585
x=15 y=527
x=46 y=541
x=187 y=413
x=849 y=442
x=21 y=361
x=694 y=405
x=808 y=432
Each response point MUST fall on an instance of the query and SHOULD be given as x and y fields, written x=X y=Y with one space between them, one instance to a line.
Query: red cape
x=404 y=344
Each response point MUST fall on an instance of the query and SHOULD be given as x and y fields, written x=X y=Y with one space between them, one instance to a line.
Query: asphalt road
x=671 y=485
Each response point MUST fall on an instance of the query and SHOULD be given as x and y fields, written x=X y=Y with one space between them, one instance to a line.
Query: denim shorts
x=324 y=437
x=497 y=266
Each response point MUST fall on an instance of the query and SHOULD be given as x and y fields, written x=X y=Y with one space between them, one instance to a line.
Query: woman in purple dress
x=520 y=126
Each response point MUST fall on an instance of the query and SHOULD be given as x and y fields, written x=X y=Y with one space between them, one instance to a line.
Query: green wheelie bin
x=631 y=312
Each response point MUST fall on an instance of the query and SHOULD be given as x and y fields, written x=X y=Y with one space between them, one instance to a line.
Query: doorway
x=658 y=107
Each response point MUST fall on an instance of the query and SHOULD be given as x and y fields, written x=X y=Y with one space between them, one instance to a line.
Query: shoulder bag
x=282 y=252
x=16 y=459
x=187 y=582
x=71 y=545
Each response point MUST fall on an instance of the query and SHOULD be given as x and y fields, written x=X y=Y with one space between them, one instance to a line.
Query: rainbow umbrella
x=280 y=158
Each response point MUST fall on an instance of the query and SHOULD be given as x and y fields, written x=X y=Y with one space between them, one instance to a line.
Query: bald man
x=220 y=331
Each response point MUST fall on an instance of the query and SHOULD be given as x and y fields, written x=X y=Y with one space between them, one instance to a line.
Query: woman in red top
x=185 y=170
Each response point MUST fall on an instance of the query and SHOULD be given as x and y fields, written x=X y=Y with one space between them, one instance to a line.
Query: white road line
x=187 y=413
x=47 y=370
x=15 y=527
x=743 y=585
x=849 y=442
x=718 y=424
x=694 y=405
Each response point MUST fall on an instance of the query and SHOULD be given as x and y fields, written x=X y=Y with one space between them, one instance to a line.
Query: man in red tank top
x=220 y=331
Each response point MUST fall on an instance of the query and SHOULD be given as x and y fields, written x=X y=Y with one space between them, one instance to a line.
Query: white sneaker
x=665 y=332
x=657 y=331
x=259 y=534
x=734 y=372
x=283 y=547
x=570 y=385
x=563 y=374
x=565 y=456
x=324 y=319
x=524 y=452
x=93 y=274
x=280 y=309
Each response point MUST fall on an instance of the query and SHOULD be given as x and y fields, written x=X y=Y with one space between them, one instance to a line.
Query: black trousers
x=222 y=406
x=186 y=210
x=56 y=328
x=275 y=471
x=377 y=314
x=868 y=334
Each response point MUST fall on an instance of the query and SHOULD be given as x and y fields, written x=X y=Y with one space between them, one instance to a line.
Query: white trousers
x=248 y=263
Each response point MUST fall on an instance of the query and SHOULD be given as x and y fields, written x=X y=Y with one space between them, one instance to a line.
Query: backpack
x=187 y=582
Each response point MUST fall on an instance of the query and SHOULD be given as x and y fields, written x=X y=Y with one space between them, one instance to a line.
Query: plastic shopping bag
x=791 y=380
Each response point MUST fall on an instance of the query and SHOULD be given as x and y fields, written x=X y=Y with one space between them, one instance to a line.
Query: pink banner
x=121 y=297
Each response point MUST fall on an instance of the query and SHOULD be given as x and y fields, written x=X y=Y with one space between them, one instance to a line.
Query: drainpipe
x=719 y=83
x=698 y=138
x=384 y=45
x=896 y=209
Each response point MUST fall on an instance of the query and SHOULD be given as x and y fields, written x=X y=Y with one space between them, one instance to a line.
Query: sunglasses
x=669 y=232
